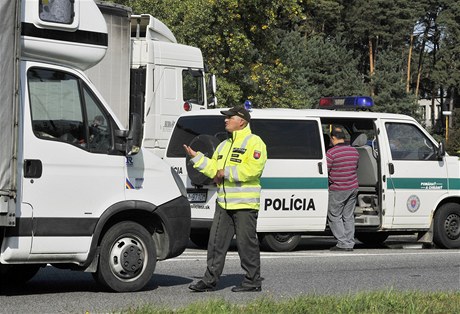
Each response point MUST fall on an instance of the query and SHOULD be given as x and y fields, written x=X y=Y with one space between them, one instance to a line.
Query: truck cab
x=146 y=67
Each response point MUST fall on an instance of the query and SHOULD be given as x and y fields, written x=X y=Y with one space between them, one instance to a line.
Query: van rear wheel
x=446 y=228
x=372 y=238
x=17 y=275
x=279 y=242
x=200 y=239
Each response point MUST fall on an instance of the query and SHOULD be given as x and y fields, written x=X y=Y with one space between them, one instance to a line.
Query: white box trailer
x=78 y=190
x=147 y=67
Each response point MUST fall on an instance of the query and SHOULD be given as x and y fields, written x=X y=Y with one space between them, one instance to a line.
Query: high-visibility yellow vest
x=243 y=159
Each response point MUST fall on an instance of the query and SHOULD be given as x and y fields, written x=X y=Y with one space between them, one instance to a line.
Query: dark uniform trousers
x=226 y=223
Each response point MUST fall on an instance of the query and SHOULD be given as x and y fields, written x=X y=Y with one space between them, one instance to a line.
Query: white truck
x=77 y=189
x=145 y=66
x=407 y=183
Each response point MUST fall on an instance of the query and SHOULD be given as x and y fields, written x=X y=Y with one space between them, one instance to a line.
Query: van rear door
x=294 y=182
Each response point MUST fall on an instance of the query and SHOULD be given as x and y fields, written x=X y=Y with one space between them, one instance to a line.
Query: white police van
x=407 y=183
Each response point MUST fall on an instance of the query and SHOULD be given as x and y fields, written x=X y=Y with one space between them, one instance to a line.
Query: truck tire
x=18 y=275
x=127 y=257
x=372 y=238
x=279 y=242
x=446 y=227
x=200 y=239
x=206 y=144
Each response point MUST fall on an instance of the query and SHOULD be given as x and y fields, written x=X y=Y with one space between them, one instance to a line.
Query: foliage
x=289 y=53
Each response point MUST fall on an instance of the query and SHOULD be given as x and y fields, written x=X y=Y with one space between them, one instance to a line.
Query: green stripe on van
x=418 y=183
x=454 y=184
x=294 y=183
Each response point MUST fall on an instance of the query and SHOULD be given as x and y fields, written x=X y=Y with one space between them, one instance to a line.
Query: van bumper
x=176 y=220
x=201 y=223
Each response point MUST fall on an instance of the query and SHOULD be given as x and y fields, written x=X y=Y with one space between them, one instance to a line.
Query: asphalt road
x=401 y=264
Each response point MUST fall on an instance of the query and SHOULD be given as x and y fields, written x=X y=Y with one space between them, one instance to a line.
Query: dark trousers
x=226 y=223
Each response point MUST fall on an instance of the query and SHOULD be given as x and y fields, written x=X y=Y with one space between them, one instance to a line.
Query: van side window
x=289 y=139
x=56 y=11
x=407 y=142
x=285 y=139
x=60 y=113
x=99 y=132
x=192 y=89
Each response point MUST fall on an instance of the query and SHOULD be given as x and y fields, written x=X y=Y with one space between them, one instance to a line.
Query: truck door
x=416 y=178
x=71 y=172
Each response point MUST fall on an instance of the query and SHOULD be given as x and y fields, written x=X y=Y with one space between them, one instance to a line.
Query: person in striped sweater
x=342 y=165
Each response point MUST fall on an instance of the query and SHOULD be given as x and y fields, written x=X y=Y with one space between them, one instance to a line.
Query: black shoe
x=201 y=286
x=343 y=249
x=246 y=289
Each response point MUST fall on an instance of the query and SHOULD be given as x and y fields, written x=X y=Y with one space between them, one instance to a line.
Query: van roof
x=286 y=113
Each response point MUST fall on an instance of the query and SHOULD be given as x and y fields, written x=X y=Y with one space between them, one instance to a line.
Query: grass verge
x=371 y=302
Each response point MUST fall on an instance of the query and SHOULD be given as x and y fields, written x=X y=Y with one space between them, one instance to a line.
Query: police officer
x=236 y=167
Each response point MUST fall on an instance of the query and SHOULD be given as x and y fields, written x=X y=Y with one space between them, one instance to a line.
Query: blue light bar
x=248 y=105
x=346 y=103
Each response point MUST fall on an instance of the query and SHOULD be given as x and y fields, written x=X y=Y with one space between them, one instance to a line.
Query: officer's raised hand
x=189 y=151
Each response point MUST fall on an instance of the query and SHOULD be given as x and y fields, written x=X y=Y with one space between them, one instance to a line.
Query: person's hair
x=338 y=132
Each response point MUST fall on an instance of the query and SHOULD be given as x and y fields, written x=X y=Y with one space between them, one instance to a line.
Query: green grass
x=372 y=302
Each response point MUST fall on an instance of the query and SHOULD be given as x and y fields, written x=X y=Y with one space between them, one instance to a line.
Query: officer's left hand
x=219 y=176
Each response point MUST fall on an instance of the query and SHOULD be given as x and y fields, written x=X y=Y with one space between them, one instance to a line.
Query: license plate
x=197 y=196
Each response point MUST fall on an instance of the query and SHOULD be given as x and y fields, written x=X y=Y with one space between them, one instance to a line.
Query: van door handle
x=320 y=167
x=391 y=168
x=33 y=168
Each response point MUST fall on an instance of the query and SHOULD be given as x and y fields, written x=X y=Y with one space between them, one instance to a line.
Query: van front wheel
x=446 y=228
x=127 y=258
x=279 y=242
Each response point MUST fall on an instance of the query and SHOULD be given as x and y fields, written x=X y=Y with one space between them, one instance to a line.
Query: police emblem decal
x=257 y=154
x=413 y=203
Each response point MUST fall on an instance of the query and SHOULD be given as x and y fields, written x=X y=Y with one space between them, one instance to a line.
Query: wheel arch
x=451 y=199
x=141 y=212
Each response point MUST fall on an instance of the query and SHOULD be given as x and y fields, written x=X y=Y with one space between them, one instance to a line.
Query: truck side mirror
x=441 y=151
x=134 y=138
x=213 y=83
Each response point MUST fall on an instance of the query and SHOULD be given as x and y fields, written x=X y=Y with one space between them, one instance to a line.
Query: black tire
x=17 y=275
x=206 y=144
x=127 y=257
x=372 y=238
x=200 y=239
x=446 y=227
x=279 y=242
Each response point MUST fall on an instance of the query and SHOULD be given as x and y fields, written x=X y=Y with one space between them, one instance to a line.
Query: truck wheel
x=372 y=238
x=127 y=257
x=279 y=242
x=17 y=275
x=446 y=227
x=206 y=144
x=200 y=239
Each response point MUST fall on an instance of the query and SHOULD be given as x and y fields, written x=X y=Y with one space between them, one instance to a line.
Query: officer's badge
x=257 y=154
